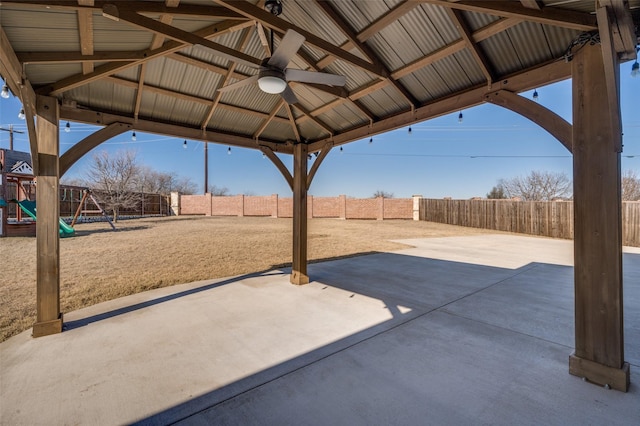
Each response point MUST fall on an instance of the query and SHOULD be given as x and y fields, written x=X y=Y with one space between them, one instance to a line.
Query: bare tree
x=630 y=186
x=383 y=194
x=218 y=191
x=116 y=176
x=154 y=182
x=538 y=186
x=496 y=193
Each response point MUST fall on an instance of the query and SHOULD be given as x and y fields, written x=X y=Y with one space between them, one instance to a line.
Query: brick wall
x=274 y=206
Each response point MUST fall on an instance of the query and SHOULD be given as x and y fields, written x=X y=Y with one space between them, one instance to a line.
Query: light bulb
x=184 y=144
x=460 y=117
x=133 y=136
x=229 y=151
x=341 y=150
x=635 y=69
x=5 y=92
x=409 y=131
x=21 y=114
x=370 y=140
x=264 y=155
x=67 y=128
x=535 y=95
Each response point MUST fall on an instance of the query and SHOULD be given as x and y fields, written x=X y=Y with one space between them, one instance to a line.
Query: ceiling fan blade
x=287 y=49
x=239 y=84
x=293 y=74
x=289 y=96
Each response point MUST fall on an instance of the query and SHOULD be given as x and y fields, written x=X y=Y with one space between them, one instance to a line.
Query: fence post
x=310 y=206
x=343 y=206
x=175 y=203
x=274 y=205
x=209 y=201
x=380 y=206
x=416 y=206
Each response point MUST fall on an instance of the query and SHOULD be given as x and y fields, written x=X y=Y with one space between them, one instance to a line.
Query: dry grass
x=100 y=265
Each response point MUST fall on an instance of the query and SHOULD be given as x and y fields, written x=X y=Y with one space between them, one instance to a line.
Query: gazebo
x=159 y=66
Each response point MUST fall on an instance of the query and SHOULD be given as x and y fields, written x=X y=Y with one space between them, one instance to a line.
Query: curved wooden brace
x=543 y=117
x=316 y=164
x=279 y=164
x=77 y=151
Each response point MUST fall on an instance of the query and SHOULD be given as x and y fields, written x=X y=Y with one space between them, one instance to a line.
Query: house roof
x=158 y=65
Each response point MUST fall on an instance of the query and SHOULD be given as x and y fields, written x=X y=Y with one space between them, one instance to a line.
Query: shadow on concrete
x=480 y=322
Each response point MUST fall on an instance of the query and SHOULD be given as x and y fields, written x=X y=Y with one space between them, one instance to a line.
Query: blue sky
x=440 y=158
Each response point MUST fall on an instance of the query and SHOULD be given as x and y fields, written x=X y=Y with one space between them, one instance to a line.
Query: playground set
x=18 y=186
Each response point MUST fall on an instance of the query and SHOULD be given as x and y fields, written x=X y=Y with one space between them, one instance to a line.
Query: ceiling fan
x=274 y=75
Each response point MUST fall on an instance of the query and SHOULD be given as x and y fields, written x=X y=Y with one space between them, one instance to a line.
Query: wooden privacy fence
x=545 y=218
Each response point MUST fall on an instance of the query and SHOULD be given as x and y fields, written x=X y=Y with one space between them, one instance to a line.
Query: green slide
x=29 y=207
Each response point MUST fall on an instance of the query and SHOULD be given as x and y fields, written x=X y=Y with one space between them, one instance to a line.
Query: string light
x=370 y=141
x=341 y=150
x=67 y=128
x=635 y=69
x=5 y=92
x=229 y=151
x=133 y=136
x=184 y=144
x=409 y=131
x=535 y=95
x=21 y=114
x=264 y=155
x=460 y=117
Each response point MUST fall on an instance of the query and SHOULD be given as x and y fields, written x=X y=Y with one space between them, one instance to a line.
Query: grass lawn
x=99 y=264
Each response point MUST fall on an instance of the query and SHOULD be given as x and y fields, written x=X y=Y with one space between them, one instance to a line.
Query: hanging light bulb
x=184 y=144
x=67 y=128
x=5 y=92
x=635 y=69
x=370 y=140
x=341 y=150
x=535 y=95
x=460 y=117
x=409 y=131
x=229 y=151
x=21 y=114
x=133 y=136
x=264 y=155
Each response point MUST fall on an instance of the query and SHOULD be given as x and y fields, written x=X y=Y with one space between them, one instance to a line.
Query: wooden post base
x=46 y=328
x=299 y=278
x=616 y=378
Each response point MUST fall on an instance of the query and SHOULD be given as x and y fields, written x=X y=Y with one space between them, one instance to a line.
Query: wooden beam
x=206 y=65
x=78 y=57
x=168 y=129
x=535 y=77
x=316 y=164
x=314 y=119
x=112 y=68
x=549 y=15
x=299 y=265
x=268 y=120
x=81 y=148
x=133 y=18
x=85 y=31
x=480 y=58
x=267 y=19
x=278 y=163
x=611 y=71
x=543 y=117
x=292 y=120
x=387 y=19
x=48 y=315
x=532 y=4
x=622 y=28
x=599 y=328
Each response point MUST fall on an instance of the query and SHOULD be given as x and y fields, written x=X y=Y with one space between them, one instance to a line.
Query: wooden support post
x=599 y=353
x=299 y=268
x=49 y=317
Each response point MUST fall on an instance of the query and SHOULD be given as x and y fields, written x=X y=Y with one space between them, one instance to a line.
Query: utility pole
x=206 y=167
x=11 y=132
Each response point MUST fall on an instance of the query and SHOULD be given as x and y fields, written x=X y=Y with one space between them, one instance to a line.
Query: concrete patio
x=462 y=330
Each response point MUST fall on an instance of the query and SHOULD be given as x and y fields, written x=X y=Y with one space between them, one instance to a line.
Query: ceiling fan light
x=272 y=84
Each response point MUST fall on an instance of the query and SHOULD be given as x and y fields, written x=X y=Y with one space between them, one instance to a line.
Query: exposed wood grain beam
x=119 y=14
x=168 y=129
x=272 y=21
x=529 y=79
x=263 y=39
x=346 y=29
x=481 y=34
x=169 y=47
x=316 y=164
x=551 y=16
x=268 y=120
x=622 y=28
x=314 y=119
x=292 y=120
x=367 y=89
x=480 y=58
x=81 y=148
x=151 y=7
x=242 y=44
x=85 y=31
x=550 y=121
x=611 y=69
x=75 y=57
x=206 y=65
x=278 y=163
x=385 y=20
